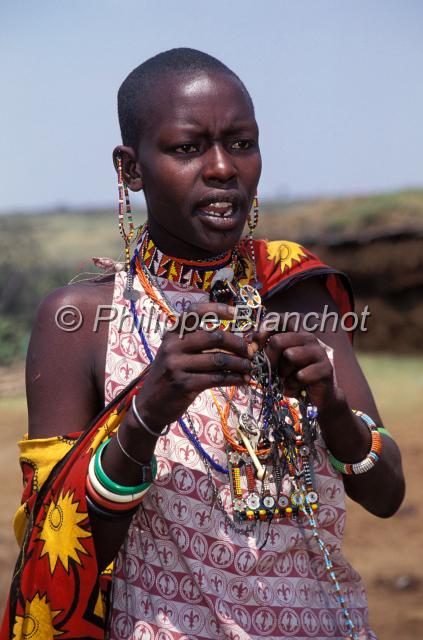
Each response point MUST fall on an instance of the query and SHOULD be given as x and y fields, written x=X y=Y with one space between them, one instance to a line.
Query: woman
x=218 y=498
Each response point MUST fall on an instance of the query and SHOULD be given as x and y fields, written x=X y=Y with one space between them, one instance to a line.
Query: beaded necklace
x=195 y=273
x=243 y=456
x=288 y=433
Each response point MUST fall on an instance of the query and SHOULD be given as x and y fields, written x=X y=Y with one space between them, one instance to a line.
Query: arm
x=184 y=366
x=64 y=382
x=65 y=370
x=305 y=363
x=65 y=375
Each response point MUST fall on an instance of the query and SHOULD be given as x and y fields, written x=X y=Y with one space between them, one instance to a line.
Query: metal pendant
x=248 y=423
x=131 y=294
x=250 y=296
x=239 y=504
x=268 y=502
x=253 y=501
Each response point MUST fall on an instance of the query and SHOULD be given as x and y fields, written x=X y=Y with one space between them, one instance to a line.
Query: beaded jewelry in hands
x=285 y=436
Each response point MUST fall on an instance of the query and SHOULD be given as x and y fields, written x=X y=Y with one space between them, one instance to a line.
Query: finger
x=263 y=335
x=218 y=361
x=280 y=343
x=200 y=341
x=203 y=381
x=295 y=358
x=292 y=387
x=316 y=373
x=224 y=311
x=192 y=317
x=288 y=322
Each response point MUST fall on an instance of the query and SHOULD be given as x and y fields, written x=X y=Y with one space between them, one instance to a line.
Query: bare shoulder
x=66 y=358
x=85 y=296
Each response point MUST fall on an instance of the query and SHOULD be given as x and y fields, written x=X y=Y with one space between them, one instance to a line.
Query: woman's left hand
x=302 y=363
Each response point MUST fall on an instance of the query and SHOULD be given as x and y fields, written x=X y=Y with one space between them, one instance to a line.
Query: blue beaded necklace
x=193 y=438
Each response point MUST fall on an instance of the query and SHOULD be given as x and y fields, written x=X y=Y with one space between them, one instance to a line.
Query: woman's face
x=200 y=164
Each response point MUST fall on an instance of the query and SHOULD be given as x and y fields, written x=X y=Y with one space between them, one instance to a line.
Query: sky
x=337 y=86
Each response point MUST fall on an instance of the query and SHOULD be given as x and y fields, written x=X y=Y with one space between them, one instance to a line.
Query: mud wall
x=386 y=272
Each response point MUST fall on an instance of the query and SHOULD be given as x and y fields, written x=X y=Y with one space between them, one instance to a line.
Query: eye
x=241 y=145
x=186 y=148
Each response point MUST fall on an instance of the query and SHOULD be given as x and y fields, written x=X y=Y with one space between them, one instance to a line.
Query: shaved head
x=136 y=94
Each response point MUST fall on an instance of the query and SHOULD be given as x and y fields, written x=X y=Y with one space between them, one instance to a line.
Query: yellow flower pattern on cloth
x=284 y=252
x=41 y=455
x=61 y=532
x=38 y=621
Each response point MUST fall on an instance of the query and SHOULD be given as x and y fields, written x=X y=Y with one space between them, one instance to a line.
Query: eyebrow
x=241 y=123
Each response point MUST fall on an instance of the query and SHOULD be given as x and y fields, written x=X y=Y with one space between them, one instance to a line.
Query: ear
x=130 y=167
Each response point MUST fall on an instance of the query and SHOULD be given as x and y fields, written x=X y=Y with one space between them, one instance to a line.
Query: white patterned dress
x=182 y=573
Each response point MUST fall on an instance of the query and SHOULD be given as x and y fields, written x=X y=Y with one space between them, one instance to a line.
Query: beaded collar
x=195 y=273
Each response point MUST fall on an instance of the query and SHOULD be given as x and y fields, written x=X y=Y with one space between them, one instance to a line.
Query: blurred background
x=339 y=100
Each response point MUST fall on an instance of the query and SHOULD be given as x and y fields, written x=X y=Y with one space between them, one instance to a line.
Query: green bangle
x=385 y=432
x=114 y=487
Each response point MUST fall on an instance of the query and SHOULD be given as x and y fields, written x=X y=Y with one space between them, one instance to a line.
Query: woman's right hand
x=187 y=364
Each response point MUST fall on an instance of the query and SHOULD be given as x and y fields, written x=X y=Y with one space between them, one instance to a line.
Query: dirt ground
x=387 y=553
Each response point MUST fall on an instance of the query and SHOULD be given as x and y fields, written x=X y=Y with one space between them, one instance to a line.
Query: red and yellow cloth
x=57 y=590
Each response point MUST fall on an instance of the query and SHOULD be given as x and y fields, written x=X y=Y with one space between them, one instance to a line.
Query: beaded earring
x=253 y=216
x=252 y=221
x=125 y=208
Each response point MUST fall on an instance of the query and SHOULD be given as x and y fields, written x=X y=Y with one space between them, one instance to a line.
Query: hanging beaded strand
x=125 y=209
x=252 y=224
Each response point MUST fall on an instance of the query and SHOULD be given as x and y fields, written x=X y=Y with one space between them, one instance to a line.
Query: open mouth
x=219 y=206
x=218 y=209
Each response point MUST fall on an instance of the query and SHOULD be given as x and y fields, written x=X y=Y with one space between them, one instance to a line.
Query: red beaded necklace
x=194 y=273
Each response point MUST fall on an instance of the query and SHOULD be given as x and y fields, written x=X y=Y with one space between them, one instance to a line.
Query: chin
x=220 y=242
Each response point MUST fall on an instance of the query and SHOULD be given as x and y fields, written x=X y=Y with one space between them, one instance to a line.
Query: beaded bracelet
x=385 y=432
x=371 y=458
x=110 y=495
x=149 y=473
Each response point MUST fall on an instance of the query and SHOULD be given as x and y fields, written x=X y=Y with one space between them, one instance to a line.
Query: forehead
x=203 y=99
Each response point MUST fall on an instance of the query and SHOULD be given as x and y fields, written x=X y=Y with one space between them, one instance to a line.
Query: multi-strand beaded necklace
x=270 y=451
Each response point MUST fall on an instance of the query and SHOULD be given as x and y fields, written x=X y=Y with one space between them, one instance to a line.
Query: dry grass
x=338 y=217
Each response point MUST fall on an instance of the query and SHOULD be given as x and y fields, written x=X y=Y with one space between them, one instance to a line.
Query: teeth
x=220 y=215
x=219 y=205
x=218 y=209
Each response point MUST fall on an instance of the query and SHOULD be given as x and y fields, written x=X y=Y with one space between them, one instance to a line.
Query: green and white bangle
x=148 y=474
x=109 y=495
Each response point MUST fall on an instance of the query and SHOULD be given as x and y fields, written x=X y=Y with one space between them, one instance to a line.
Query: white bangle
x=108 y=495
x=142 y=423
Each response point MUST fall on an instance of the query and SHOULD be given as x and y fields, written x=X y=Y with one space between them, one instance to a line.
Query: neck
x=196 y=257
x=197 y=272
x=181 y=248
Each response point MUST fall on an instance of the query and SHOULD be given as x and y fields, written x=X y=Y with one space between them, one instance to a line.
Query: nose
x=219 y=166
